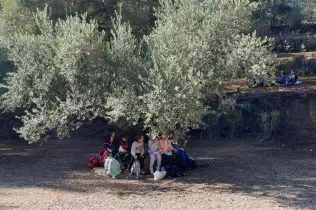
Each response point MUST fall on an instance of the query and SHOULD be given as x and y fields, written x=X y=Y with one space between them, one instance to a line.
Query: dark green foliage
x=295 y=42
x=235 y=119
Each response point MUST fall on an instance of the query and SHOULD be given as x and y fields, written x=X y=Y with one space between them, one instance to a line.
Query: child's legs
x=120 y=156
x=166 y=160
x=158 y=156
x=141 y=160
x=131 y=161
x=163 y=160
x=152 y=162
x=126 y=160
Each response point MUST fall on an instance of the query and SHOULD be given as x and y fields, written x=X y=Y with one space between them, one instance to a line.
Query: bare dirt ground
x=241 y=176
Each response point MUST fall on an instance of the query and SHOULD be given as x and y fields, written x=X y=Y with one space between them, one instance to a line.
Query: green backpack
x=112 y=167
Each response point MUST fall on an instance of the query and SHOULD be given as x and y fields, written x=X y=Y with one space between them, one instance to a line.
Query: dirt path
x=241 y=176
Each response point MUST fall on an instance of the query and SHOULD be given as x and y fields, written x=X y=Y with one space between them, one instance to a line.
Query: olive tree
x=69 y=73
x=194 y=49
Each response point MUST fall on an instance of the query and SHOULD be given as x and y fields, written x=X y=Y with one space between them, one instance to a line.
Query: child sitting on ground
x=293 y=78
x=283 y=79
x=111 y=142
x=138 y=152
x=154 y=153
x=185 y=161
x=166 y=149
x=124 y=154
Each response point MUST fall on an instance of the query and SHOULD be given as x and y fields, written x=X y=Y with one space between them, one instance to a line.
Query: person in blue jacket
x=185 y=161
x=283 y=79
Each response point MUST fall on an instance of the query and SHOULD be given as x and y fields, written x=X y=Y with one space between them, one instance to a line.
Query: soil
x=242 y=175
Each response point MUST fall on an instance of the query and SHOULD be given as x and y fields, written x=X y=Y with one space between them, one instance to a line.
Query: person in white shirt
x=137 y=152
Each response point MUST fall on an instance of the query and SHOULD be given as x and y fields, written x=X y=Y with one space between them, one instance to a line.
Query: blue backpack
x=112 y=167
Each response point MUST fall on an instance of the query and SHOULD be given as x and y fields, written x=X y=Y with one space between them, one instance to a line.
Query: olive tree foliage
x=15 y=17
x=69 y=74
x=193 y=50
x=308 y=10
x=17 y=14
x=61 y=77
x=272 y=13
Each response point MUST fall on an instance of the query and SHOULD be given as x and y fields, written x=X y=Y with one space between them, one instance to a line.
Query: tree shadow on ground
x=287 y=177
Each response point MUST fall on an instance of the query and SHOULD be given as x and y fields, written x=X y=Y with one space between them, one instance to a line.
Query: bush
x=269 y=122
x=313 y=117
x=295 y=42
x=235 y=119
x=299 y=64
x=311 y=66
x=304 y=66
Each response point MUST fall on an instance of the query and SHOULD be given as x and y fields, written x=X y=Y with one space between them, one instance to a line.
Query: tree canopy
x=70 y=72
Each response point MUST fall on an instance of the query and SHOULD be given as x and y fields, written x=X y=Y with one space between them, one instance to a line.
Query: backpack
x=159 y=175
x=112 y=167
x=174 y=171
x=104 y=154
x=93 y=162
x=136 y=168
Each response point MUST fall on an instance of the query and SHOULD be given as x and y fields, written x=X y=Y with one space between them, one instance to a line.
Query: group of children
x=159 y=149
x=292 y=78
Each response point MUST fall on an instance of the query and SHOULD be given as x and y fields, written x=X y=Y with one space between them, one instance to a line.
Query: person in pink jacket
x=166 y=149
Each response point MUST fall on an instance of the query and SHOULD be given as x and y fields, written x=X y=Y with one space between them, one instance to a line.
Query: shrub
x=313 y=117
x=299 y=64
x=235 y=119
x=295 y=42
x=269 y=122
x=311 y=66
x=304 y=66
x=212 y=128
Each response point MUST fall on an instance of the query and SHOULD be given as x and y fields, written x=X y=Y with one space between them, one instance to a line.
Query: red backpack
x=94 y=162
x=99 y=160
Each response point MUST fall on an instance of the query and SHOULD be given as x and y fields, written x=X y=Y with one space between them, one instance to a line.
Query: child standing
x=138 y=152
x=154 y=153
